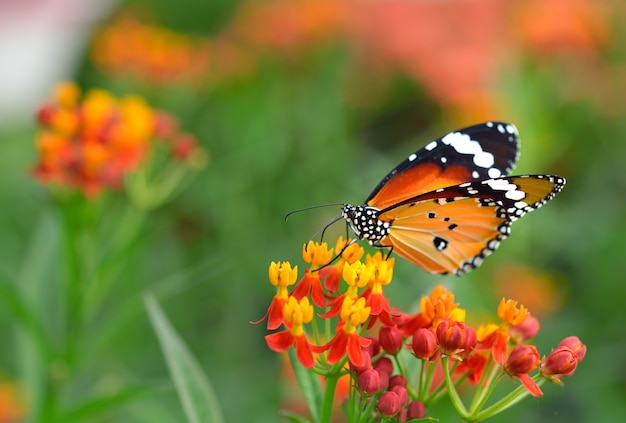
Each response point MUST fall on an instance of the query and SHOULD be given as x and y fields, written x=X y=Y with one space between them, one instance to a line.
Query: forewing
x=487 y=150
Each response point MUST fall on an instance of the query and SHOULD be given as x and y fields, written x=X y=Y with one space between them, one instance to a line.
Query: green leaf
x=193 y=387
x=103 y=403
x=29 y=300
x=309 y=383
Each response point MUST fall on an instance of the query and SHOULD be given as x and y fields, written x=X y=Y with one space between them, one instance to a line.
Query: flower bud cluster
x=398 y=362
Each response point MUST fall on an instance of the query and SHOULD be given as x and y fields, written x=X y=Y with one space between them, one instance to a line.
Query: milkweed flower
x=382 y=273
x=496 y=337
x=296 y=315
x=434 y=308
x=451 y=353
x=94 y=143
x=347 y=340
x=281 y=275
x=523 y=360
x=316 y=255
x=128 y=46
x=561 y=362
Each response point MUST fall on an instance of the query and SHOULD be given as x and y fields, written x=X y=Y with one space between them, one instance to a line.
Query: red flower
x=347 y=340
x=474 y=366
x=561 y=362
x=296 y=314
x=281 y=275
x=523 y=360
x=310 y=285
x=574 y=344
x=369 y=382
x=525 y=330
x=424 y=343
x=450 y=337
x=390 y=339
x=389 y=404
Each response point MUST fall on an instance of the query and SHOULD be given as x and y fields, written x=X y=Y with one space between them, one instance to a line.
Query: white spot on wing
x=494 y=172
x=511 y=129
x=412 y=157
x=431 y=145
x=515 y=195
x=521 y=204
x=463 y=144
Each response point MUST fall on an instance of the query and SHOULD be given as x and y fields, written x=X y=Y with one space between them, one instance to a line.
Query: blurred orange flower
x=452 y=47
x=93 y=144
x=534 y=288
x=554 y=26
x=287 y=25
x=130 y=47
x=11 y=408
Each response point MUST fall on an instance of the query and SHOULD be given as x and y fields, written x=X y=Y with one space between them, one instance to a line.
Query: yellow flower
x=282 y=274
x=510 y=313
x=317 y=254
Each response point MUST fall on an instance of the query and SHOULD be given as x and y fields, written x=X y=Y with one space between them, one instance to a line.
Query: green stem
x=429 y=379
x=73 y=274
x=368 y=410
x=482 y=385
x=509 y=400
x=122 y=240
x=329 y=398
x=454 y=395
x=485 y=389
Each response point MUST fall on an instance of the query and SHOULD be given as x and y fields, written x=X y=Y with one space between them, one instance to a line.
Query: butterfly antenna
x=323 y=230
x=318 y=206
x=352 y=241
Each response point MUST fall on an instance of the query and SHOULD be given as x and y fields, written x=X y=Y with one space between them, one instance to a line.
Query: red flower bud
x=390 y=339
x=384 y=364
x=574 y=344
x=424 y=343
x=388 y=404
x=450 y=336
x=560 y=363
x=416 y=410
x=384 y=379
x=522 y=360
x=402 y=394
x=369 y=382
x=525 y=330
x=397 y=380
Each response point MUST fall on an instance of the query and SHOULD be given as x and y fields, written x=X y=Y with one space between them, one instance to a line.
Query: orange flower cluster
x=368 y=336
x=160 y=55
x=456 y=67
x=94 y=143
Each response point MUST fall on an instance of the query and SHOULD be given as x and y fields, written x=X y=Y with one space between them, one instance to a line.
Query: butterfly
x=450 y=204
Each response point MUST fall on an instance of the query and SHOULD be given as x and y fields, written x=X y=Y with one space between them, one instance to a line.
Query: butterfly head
x=364 y=222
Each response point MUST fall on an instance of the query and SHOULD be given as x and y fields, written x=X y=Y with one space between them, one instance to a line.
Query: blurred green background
x=307 y=102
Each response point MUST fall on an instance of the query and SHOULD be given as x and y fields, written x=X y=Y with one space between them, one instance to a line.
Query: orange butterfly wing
x=452 y=229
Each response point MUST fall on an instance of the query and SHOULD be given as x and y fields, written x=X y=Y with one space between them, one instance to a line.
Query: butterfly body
x=450 y=204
